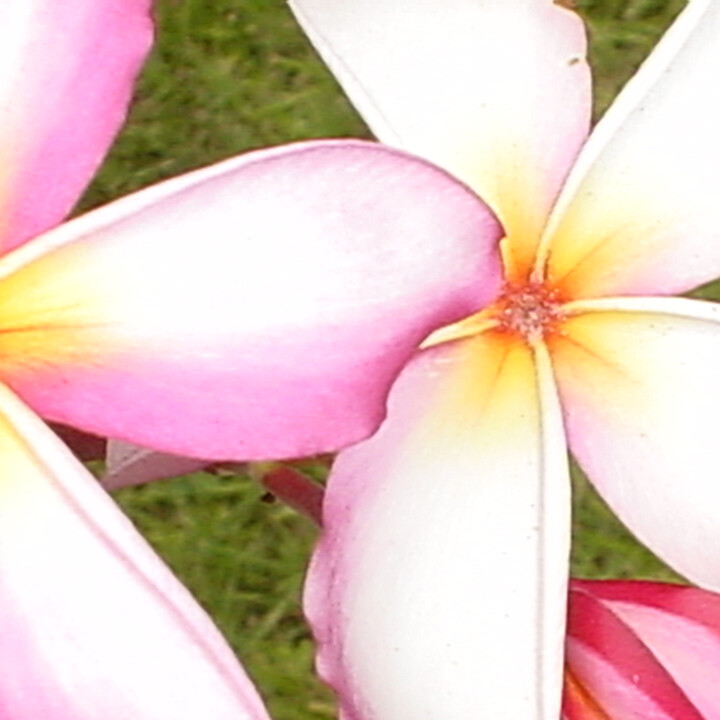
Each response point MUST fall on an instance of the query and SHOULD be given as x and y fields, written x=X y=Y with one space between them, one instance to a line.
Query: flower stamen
x=532 y=310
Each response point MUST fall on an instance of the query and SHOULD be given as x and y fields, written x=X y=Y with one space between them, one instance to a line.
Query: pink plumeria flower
x=438 y=588
x=150 y=320
x=638 y=650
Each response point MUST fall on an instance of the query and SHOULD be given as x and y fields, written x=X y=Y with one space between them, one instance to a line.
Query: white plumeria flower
x=102 y=328
x=438 y=589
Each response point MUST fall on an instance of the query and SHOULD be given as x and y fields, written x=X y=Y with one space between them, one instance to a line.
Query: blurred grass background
x=231 y=75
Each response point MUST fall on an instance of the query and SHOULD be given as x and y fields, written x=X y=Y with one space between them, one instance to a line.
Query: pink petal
x=438 y=586
x=680 y=625
x=66 y=73
x=93 y=625
x=611 y=670
x=640 y=214
x=259 y=308
x=128 y=464
x=639 y=384
x=496 y=91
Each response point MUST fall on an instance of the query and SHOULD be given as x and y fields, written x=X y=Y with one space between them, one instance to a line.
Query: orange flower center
x=531 y=309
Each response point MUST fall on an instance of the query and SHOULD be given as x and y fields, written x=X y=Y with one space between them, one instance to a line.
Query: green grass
x=231 y=75
x=621 y=31
x=244 y=560
x=224 y=77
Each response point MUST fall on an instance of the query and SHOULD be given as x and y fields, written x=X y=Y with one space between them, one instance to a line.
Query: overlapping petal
x=258 y=308
x=127 y=464
x=438 y=586
x=66 y=74
x=679 y=624
x=93 y=625
x=640 y=213
x=84 y=446
x=496 y=91
x=640 y=389
x=612 y=674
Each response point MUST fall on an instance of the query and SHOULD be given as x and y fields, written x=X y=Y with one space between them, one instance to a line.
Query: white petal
x=438 y=588
x=640 y=387
x=496 y=91
x=640 y=213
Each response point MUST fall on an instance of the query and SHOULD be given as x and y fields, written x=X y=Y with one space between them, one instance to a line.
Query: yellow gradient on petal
x=20 y=468
x=638 y=388
x=462 y=486
x=617 y=366
x=630 y=364
x=592 y=352
x=50 y=310
x=507 y=179
x=515 y=193
x=597 y=248
x=464 y=111
x=495 y=383
x=640 y=206
x=27 y=486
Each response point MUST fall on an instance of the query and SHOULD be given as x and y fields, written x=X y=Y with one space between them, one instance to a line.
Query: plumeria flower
x=130 y=322
x=439 y=585
x=638 y=650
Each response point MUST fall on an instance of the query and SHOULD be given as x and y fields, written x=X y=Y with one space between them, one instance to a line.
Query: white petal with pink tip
x=438 y=587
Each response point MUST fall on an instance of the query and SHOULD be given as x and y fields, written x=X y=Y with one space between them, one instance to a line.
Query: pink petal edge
x=94 y=625
x=67 y=75
x=617 y=670
x=301 y=281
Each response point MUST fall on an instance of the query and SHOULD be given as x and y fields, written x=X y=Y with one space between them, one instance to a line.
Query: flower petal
x=127 y=464
x=93 y=624
x=496 y=91
x=681 y=625
x=66 y=73
x=256 y=309
x=438 y=586
x=611 y=674
x=640 y=213
x=639 y=384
